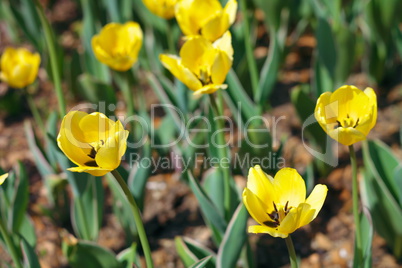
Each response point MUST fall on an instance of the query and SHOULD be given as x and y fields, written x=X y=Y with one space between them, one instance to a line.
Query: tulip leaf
x=208 y=209
x=203 y=263
x=20 y=199
x=122 y=208
x=240 y=97
x=214 y=186
x=90 y=255
x=234 y=239
x=366 y=228
x=27 y=231
x=377 y=194
x=128 y=257
x=186 y=255
x=30 y=257
x=96 y=91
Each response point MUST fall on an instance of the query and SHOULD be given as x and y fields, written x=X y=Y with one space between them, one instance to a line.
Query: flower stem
x=35 y=113
x=10 y=245
x=54 y=64
x=137 y=219
x=222 y=152
x=252 y=65
x=355 y=196
x=169 y=36
x=292 y=252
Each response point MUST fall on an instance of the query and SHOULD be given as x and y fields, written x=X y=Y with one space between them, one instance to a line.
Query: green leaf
x=95 y=90
x=208 y=209
x=128 y=256
x=202 y=263
x=187 y=257
x=90 y=255
x=27 y=231
x=234 y=239
x=214 y=186
x=366 y=228
x=30 y=257
x=20 y=199
x=376 y=195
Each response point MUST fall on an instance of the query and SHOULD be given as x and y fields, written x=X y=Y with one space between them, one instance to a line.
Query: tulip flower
x=279 y=204
x=118 y=45
x=348 y=114
x=19 y=67
x=161 y=8
x=205 y=17
x=92 y=141
x=3 y=178
x=202 y=65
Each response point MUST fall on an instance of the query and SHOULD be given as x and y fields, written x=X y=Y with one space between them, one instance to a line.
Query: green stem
x=137 y=218
x=35 y=113
x=292 y=252
x=252 y=65
x=80 y=211
x=54 y=64
x=222 y=151
x=10 y=245
x=355 y=196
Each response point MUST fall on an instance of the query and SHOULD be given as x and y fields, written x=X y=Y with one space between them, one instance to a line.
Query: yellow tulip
x=161 y=8
x=202 y=65
x=19 y=67
x=205 y=17
x=279 y=204
x=118 y=45
x=3 y=178
x=92 y=141
x=348 y=114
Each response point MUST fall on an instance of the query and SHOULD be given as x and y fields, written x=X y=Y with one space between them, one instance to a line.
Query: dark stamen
x=275 y=206
x=92 y=154
x=91 y=164
x=271 y=224
x=357 y=122
x=286 y=206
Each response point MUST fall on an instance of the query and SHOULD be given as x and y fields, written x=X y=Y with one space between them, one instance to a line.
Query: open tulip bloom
x=161 y=8
x=205 y=17
x=348 y=114
x=279 y=204
x=117 y=45
x=202 y=65
x=19 y=67
x=92 y=141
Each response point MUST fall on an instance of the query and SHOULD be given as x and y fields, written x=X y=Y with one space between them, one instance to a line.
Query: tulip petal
x=174 y=65
x=370 y=93
x=95 y=127
x=313 y=204
x=346 y=136
x=215 y=27
x=209 y=89
x=261 y=229
x=71 y=139
x=196 y=54
x=108 y=157
x=261 y=185
x=95 y=171
x=257 y=209
x=289 y=187
x=3 y=178
x=231 y=10
x=290 y=223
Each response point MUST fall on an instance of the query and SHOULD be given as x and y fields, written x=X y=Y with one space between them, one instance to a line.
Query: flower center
x=204 y=77
x=277 y=215
x=348 y=122
x=95 y=146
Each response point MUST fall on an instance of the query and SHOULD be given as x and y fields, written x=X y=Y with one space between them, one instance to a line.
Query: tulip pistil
x=348 y=122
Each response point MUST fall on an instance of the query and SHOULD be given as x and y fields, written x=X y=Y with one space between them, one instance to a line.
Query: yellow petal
x=372 y=97
x=95 y=127
x=215 y=27
x=174 y=65
x=184 y=18
x=231 y=9
x=256 y=208
x=325 y=111
x=351 y=102
x=289 y=187
x=71 y=139
x=209 y=89
x=195 y=53
x=161 y=8
x=261 y=185
x=220 y=68
x=346 y=136
x=314 y=204
x=95 y=171
x=109 y=156
x=3 y=178
x=224 y=44
x=262 y=229
x=290 y=223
